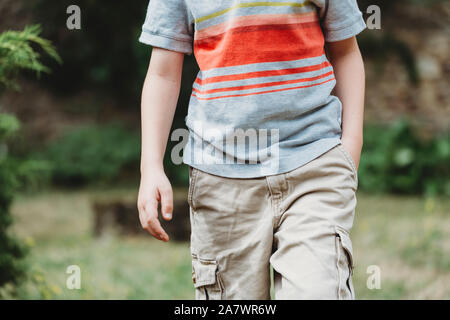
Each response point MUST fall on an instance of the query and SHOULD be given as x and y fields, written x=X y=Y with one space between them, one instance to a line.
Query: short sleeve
x=340 y=19
x=168 y=25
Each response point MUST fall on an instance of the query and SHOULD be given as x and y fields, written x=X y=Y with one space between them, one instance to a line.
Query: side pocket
x=350 y=161
x=207 y=282
x=345 y=264
x=192 y=182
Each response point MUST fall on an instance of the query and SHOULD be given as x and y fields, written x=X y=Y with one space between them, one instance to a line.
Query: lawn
x=407 y=238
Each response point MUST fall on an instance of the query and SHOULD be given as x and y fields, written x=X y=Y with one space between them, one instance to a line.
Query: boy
x=273 y=154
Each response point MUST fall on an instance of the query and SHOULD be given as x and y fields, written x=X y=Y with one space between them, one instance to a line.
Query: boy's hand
x=155 y=188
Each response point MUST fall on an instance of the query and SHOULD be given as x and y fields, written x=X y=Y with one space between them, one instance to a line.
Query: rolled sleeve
x=166 y=42
x=346 y=32
x=168 y=25
x=340 y=19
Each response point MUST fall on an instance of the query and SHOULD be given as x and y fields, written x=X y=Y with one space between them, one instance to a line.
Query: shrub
x=92 y=154
x=395 y=160
x=17 y=54
x=11 y=250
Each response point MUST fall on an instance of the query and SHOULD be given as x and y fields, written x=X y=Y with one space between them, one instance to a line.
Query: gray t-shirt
x=261 y=103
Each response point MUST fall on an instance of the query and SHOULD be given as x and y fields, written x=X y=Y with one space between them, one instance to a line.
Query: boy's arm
x=350 y=87
x=159 y=101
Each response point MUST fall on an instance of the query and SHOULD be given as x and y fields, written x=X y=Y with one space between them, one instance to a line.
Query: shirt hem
x=248 y=171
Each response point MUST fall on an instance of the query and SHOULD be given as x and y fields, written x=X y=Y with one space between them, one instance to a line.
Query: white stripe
x=260 y=80
x=262 y=66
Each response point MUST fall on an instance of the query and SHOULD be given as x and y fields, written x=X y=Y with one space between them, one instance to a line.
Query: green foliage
x=101 y=154
x=14 y=174
x=395 y=160
x=17 y=53
x=93 y=154
x=8 y=126
x=11 y=250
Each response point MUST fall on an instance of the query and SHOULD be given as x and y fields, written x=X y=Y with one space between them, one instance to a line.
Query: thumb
x=166 y=202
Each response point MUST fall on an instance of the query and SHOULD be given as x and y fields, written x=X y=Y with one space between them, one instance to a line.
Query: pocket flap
x=346 y=243
x=203 y=272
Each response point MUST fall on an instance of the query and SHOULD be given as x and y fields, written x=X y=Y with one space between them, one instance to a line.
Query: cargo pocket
x=344 y=265
x=207 y=282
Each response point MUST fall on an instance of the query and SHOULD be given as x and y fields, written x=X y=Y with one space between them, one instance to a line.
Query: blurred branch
x=17 y=52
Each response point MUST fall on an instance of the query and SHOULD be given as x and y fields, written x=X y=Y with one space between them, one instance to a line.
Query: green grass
x=406 y=237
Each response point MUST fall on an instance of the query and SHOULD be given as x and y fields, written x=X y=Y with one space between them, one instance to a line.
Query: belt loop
x=270 y=185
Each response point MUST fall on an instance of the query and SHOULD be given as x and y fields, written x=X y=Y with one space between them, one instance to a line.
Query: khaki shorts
x=298 y=222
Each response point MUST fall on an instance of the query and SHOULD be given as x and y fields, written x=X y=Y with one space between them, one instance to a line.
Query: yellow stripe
x=251 y=4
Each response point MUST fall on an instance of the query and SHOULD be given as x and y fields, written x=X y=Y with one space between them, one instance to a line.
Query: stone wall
x=426 y=31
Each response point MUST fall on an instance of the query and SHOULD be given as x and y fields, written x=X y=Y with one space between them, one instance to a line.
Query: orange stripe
x=258 y=74
x=261 y=44
x=262 y=85
x=256 y=19
x=270 y=91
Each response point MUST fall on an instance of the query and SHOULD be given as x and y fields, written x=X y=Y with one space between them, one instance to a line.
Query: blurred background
x=70 y=148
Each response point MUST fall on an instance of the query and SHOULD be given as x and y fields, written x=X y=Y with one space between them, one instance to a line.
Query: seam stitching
x=166 y=36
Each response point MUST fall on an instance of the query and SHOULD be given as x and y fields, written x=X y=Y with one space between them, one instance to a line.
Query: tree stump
x=123 y=217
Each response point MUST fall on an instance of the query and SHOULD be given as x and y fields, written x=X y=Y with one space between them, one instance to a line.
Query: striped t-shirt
x=261 y=103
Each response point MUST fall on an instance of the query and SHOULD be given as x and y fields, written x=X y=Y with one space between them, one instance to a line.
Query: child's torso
x=263 y=67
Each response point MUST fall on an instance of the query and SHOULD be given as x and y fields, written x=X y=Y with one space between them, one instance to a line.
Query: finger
x=155 y=229
x=151 y=232
x=166 y=195
x=153 y=225
x=142 y=216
